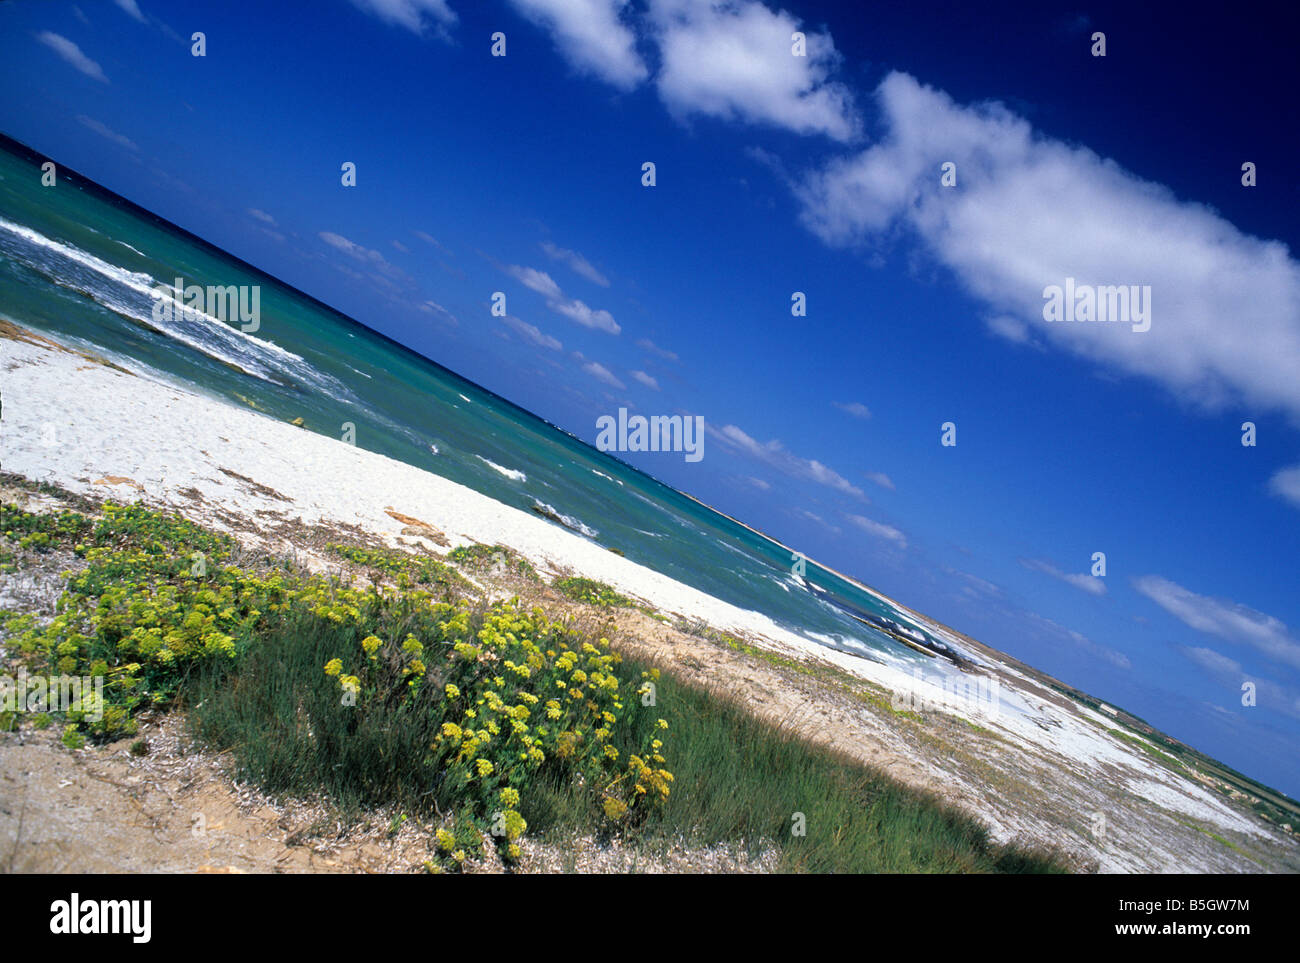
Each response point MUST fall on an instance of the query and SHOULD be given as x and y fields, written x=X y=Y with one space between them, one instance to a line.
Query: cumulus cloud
x=104 y=131
x=578 y=263
x=1029 y=212
x=601 y=373
x=1012 y=329
x=1286 y=484
x=855 y=408
x=879 y=530
x=1113 y=656
x=1229 y=673
x=413 y=15
x=578 y=311
x=132 y=9
x=645 y=379
x=536 y=280
x=646 y=344
x=976 y=587
x=1080 y=580
x=433 y=307
x=572 y=308
x=368 y=256
x=72 y=54
x=774 y=453
x=341 y=243
x=881 y=479
x=530 y=332
x=1226 y=619
x=428 y=238
x=592 y=35
x=733 y=60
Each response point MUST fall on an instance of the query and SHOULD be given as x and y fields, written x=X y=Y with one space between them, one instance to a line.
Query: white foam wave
x=510 y=473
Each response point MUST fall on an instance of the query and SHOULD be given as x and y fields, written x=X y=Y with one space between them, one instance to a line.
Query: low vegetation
x=503 y=723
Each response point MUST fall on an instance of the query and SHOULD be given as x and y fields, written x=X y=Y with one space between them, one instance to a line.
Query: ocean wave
x=508 y=472
x=131 y=294
x=568 y=521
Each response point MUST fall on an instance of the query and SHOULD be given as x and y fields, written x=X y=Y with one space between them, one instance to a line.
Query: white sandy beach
x=72 y=422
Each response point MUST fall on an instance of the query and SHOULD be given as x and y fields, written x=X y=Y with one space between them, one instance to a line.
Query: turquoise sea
x=80 y=264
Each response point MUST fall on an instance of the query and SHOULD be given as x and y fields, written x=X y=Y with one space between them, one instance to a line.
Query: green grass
x=247 y=651
x=737 y=779
x=602 y=595
x=480 y=557
x=592 y=592
x=1217 y=838
x=405 y=569
x=740 y=780
x=1146 y=747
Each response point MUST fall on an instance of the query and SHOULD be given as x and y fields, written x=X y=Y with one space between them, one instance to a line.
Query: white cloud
x=855 y=408
x=577 y=262
x=105 y=131
x=1216 y=663
x=733 y=60
x=430 y=239
x=433 y=307
x=341 y=243
x=1226 y=619
x=645 y=379
x=531 y=332
x=72 y=54
x=1286 y=483
x=571 y=308
x=262 y=216
x=414 y=15
x=601 y=373
x=977 y=586
x=647 y=345
x=1229 y=673
x=1010 y=328
x=577 y=311
x=760 y=484
x=536 y=280
x=1028 y=212
x=1080 y=580
x=879 y=530
x=775 y=454
x=387 y=270
x=881 y=479
x=132 y=8
x=1112 y=656
x=592 y=36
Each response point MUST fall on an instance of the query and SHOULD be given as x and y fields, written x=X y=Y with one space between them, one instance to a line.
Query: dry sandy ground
x=176 y=810
x=1047 y=773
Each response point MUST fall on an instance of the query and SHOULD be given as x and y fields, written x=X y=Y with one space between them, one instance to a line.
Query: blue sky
x=819 y=174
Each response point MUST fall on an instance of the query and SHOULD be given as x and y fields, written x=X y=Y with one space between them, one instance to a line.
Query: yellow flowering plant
x=464 y=706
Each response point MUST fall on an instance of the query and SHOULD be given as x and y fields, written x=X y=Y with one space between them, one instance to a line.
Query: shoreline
x=92 y=428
